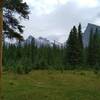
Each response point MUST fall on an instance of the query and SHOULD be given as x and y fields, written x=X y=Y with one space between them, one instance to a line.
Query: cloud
x=87 y=3
x=54 y=18
x=45 y=6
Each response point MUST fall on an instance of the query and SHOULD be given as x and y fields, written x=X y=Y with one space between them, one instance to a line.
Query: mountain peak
x=86 y=34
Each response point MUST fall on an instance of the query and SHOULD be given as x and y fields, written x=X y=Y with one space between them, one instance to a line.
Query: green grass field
x=51 y=85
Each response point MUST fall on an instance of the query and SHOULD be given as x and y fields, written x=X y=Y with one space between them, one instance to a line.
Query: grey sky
x=53 y=19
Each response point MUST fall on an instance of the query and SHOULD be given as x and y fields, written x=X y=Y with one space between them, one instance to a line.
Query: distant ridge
x=42 y=41
x=38 y=42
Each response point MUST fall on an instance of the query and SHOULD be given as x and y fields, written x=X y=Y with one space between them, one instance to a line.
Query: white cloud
x=45 y=6
x=62 y=1
x=87 y=3
x=48 y=6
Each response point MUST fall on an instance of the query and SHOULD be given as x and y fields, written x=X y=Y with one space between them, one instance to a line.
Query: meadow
x=51 y=85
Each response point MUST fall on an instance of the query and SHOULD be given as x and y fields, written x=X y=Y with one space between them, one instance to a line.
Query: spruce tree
x=80 y=44
x=90 y=53
x=32 y=51
x=80 y=36
x=72 y=47
x=96 y=47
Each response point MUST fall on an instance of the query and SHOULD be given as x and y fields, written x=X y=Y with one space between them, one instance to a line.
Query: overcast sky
x=53 y=19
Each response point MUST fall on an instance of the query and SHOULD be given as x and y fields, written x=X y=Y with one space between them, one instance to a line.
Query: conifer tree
x=10 y=25
x=80 y=36
x=72 y=49
x=96 y=47
x=90 y=53
x=80 y=44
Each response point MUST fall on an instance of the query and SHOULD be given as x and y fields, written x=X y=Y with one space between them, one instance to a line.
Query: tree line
x=24 y=58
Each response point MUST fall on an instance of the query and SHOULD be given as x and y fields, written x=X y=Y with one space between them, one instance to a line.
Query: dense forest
x=24 y=58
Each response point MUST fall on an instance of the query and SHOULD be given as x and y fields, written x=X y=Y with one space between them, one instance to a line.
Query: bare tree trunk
x=1 y=30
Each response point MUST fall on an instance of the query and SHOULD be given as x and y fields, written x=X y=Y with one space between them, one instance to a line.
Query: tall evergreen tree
x=32 y=52
x=80 y=36
x=90 y=53
x=12 y=26
x=80 y=44
x=96 y=47
x=72 y=49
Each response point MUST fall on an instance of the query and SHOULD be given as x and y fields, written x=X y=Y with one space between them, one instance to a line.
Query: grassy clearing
x=51 y=85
